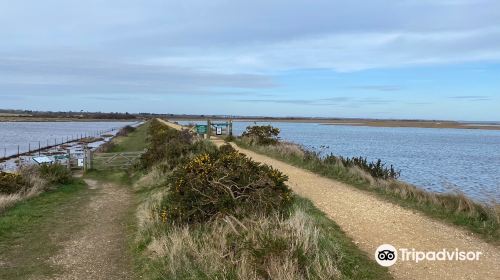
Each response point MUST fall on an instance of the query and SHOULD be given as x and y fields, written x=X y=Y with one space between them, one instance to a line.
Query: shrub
x=262 y=135
x=165 y=144
x=11 y=183
x=229 y=138
x=377 y=169
x=106 y=147
x=227 y=183
x=55 y=173
x=125 y=130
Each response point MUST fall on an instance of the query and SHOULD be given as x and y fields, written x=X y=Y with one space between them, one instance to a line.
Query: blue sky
x=426 y=59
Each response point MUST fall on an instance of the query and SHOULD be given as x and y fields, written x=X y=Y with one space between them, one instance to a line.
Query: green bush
x=376 y=169
x=55 y=173
x=262 y=135
x=126 y=130
x=11 y=183
x=229 y=138
x=165 y=145
x=224 y=183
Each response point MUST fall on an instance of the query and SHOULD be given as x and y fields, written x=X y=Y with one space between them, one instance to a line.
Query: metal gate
x=102 y=161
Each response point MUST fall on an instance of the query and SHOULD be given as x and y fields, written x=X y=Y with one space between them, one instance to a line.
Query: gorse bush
x=165 y=145
x=11 y=183
x=225 y=183
x=30 y=181
x=262 y=135
x=55 y=173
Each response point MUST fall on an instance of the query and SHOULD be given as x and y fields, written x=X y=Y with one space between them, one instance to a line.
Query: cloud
x=149 y=48
x=471 y=97
x=86 y=76
x=259 y=36
x=332 y=101
x=384 y=88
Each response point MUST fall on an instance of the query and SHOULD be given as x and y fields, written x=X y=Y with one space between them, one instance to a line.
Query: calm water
x=439 y=160
x=26 y=133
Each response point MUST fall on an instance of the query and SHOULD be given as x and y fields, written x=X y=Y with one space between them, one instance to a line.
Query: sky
x=411 y=59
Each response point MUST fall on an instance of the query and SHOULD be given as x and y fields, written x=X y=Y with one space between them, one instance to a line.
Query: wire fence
x=31 y=147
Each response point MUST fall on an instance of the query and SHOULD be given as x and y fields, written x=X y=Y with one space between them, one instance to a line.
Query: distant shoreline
x=366 y=122
x=44 y=119
x=322 y=121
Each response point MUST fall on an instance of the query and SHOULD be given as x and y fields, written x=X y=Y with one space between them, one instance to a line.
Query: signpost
x=221 y=128
x=201 y=129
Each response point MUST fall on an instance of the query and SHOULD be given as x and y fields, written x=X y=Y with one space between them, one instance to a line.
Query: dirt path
x=371 y=222
x=99 y=249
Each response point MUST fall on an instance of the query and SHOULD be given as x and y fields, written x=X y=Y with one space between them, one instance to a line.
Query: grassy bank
x=27 y=240
x=210 y=213
x=453 y=208
x=128 y=139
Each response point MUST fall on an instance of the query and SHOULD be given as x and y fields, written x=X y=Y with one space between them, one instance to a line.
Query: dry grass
x=259 y=248
x=35 y=185
x=8 y=200
x=152 y=179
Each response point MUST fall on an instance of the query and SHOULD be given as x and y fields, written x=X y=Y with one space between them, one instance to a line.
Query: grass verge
x=131 y=142
x=28 y=227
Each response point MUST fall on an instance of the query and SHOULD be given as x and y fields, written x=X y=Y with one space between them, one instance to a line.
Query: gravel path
x=371 y=222
x=99 y=250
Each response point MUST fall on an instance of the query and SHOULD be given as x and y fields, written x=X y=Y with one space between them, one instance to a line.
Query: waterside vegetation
x=455 y=208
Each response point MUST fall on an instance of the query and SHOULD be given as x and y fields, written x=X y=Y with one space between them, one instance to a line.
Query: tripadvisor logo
x=386 y=255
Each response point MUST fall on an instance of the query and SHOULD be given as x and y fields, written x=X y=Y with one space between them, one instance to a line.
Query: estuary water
x=439 y=160
x=30 y=134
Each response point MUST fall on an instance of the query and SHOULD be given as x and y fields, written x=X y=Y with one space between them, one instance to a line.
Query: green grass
x=453 y=209
x=27 y=240
x=135 y=141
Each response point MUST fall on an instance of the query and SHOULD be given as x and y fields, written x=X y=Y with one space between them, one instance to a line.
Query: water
x=25 y=134
x=439 y=160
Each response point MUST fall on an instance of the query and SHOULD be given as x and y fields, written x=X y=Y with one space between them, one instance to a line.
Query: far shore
x=322 y=121
x=44 y=119
x=365 y=122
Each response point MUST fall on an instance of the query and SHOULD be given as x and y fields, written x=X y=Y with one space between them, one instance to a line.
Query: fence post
x=85 y=159
x=69 y=159
x=90 y=159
